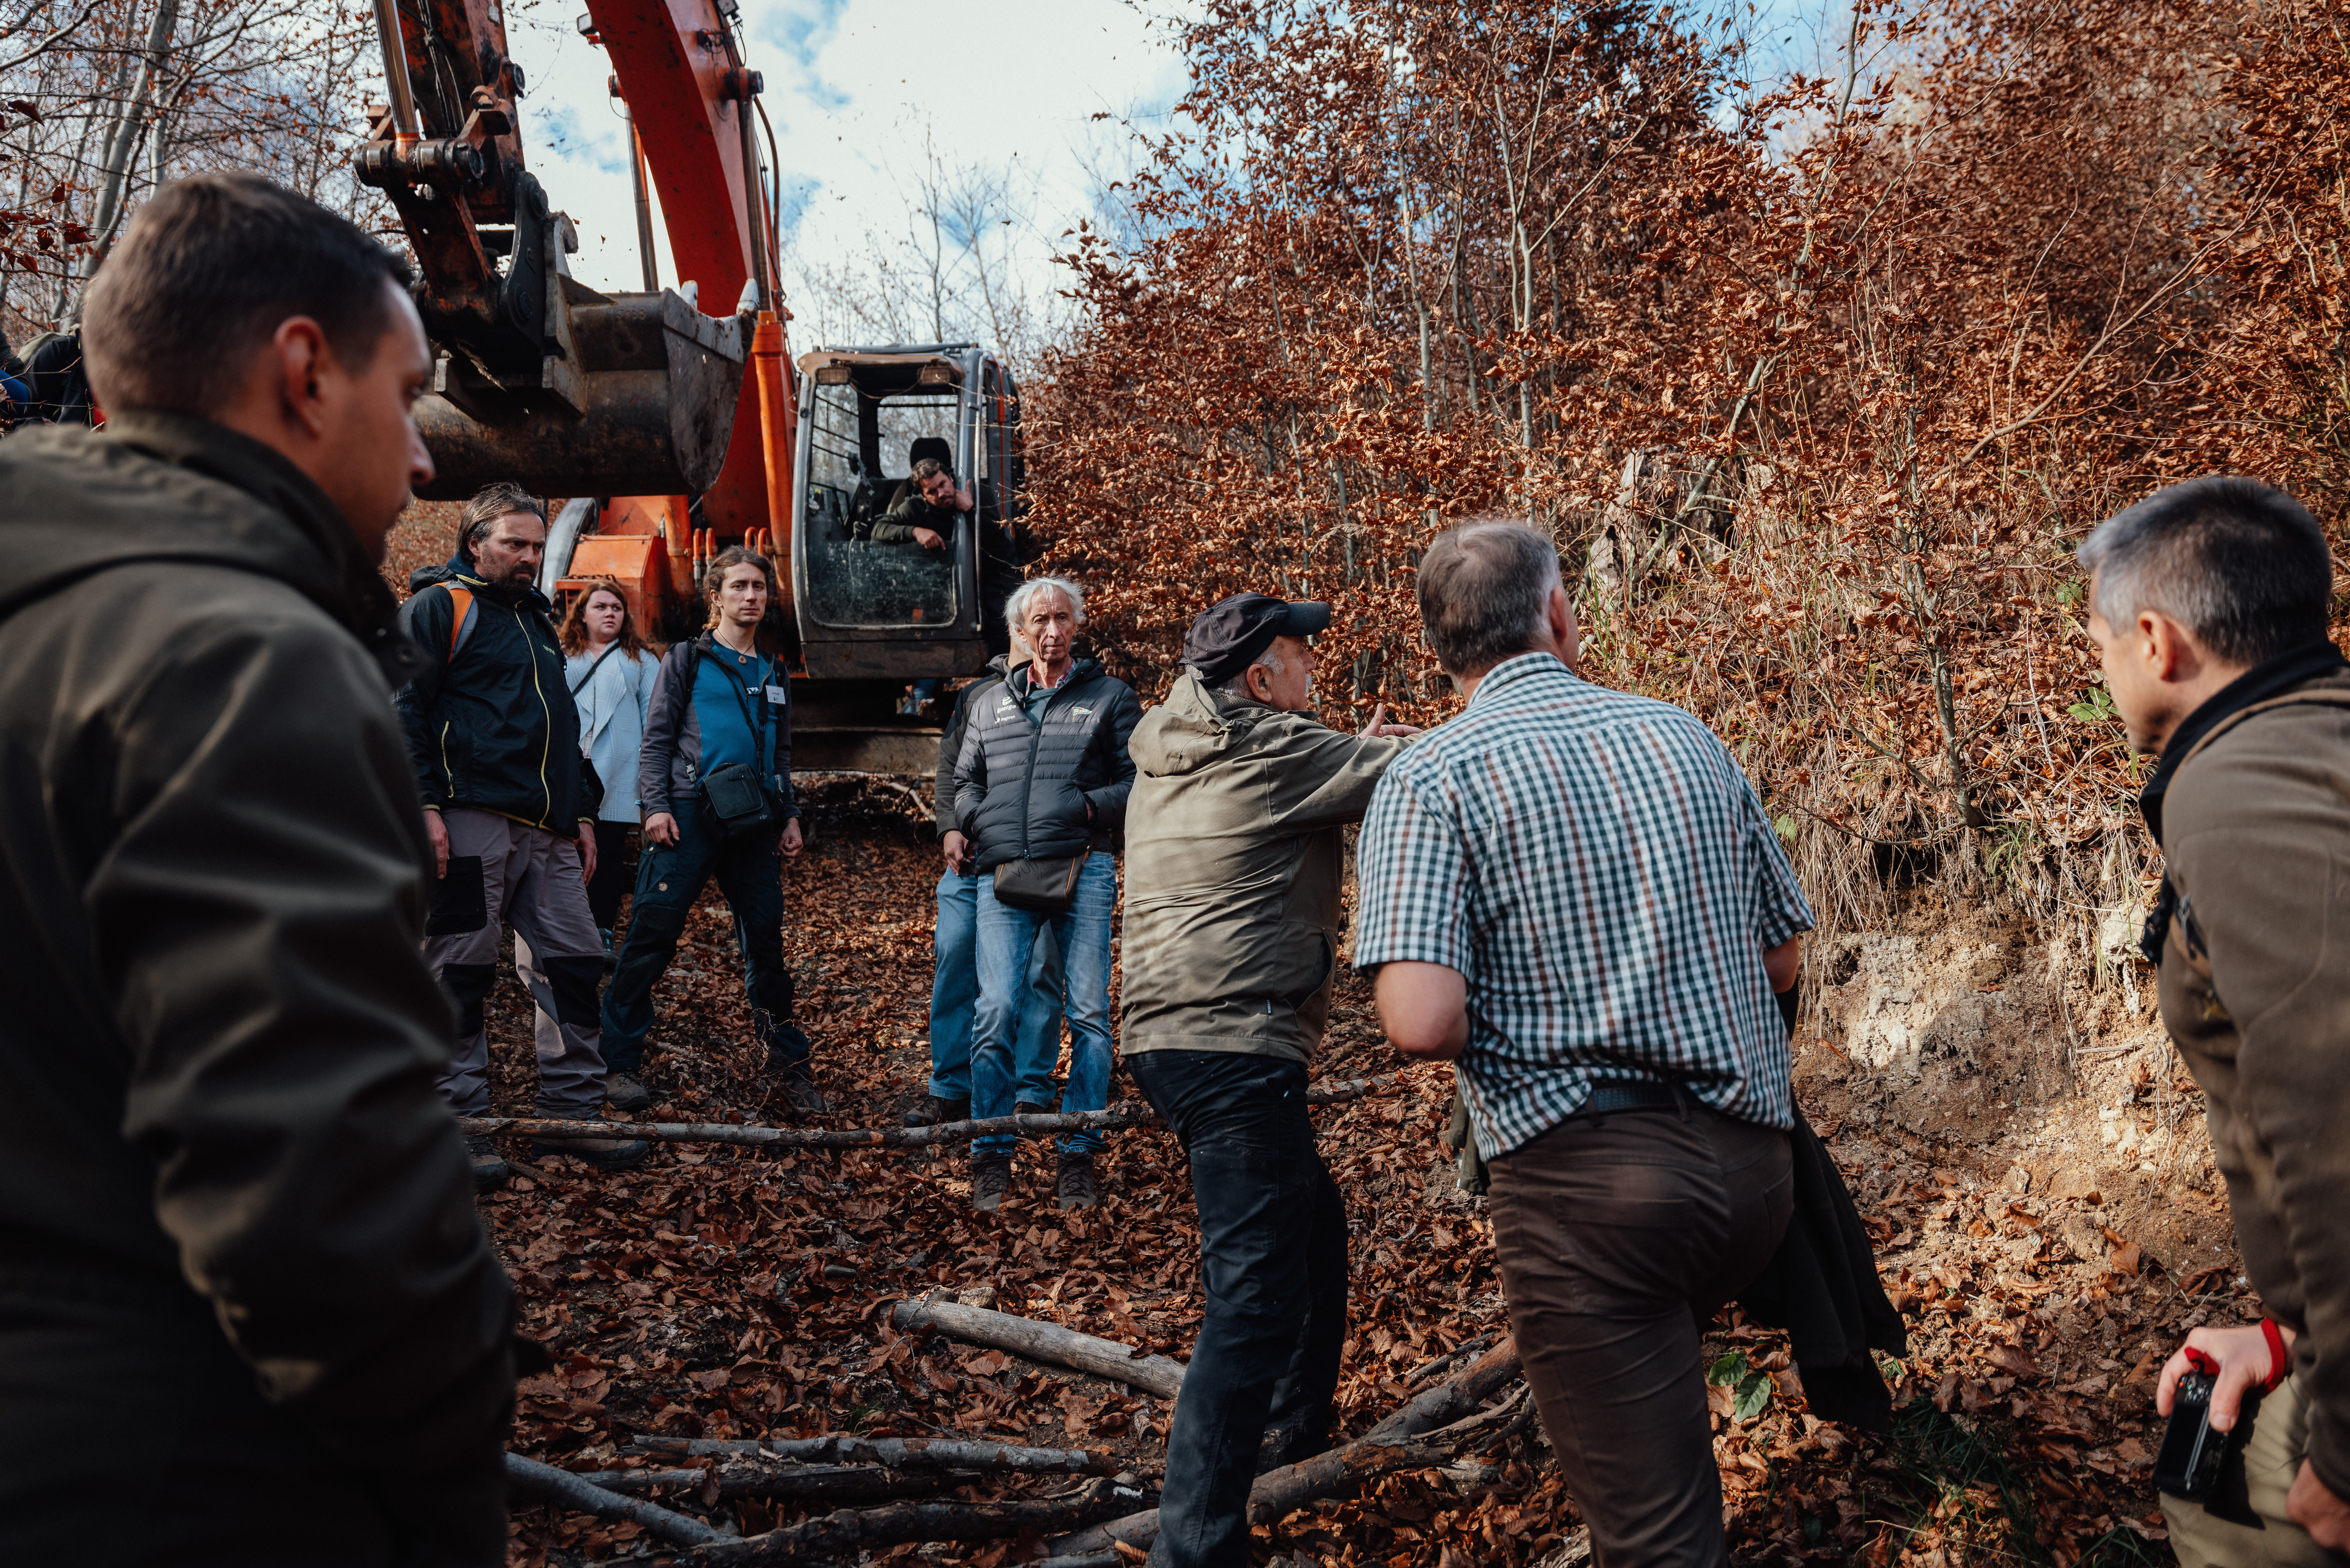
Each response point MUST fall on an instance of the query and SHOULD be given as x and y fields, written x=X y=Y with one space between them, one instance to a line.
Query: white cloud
x=852 y=86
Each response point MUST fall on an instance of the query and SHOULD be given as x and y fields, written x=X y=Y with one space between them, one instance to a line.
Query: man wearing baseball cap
x=1234 y=849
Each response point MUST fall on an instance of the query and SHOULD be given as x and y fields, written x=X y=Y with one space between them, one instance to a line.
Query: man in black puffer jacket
x=1040 y=791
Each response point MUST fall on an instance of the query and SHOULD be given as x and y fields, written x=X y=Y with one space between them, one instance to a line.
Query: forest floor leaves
x=723 y=1292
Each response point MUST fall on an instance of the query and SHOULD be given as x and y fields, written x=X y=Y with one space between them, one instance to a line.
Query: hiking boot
x=1073 y=1186
x=490 y=1167
x=801 y=1097
x=991 y=1178
x=623 y=1092
x=603 y=1153
x=932 y=1111
x=1031 y=1108
x=1295 y=1440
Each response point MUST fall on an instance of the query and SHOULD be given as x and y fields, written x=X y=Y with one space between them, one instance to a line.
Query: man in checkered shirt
x=1573 y=896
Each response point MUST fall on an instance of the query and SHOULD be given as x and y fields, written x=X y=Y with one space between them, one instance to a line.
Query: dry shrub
x=1817 y=394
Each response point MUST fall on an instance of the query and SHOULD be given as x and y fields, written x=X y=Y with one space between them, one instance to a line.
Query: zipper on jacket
x=546 y=736
x=1037 y=738
x=447 y=772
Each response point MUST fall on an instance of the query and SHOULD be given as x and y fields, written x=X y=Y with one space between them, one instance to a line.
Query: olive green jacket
x=219 y=1040
x=2255 y=991
x=1234 y=853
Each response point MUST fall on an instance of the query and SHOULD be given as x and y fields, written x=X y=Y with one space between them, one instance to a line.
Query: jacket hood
x=1196 y=726
x=171 y=487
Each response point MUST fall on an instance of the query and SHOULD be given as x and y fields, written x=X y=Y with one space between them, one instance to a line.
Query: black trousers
x=611 y=879
x=1272 y=1257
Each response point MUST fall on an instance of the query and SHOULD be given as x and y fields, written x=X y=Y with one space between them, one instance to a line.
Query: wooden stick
x=561 y=1487
x=1045 y=1342
x=1127 y=1115
x=901 y=1453
x=1388 y=1445
x=836 y=1534
x=801 y=1483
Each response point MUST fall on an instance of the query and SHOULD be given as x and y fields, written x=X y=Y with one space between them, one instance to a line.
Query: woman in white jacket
x=611 y=671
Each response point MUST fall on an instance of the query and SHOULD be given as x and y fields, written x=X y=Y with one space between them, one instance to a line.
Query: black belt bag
x=1046 y=887
x=738 y=797
x=738 y=800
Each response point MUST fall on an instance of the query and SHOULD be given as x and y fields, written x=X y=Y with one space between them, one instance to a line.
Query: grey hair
x=2240 y=565
x=1237 y=682
x=1483 y=587
x=1015 y=606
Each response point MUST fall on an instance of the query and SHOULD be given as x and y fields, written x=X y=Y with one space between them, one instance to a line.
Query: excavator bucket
x=635 y=396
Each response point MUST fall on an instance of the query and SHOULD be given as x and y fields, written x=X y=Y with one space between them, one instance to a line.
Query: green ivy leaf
x=1753 y=1393
x=1785 y=827
x=1726 y=1372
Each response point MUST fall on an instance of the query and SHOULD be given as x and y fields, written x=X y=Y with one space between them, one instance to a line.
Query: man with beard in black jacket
x=247 y=1315
x=508 y=801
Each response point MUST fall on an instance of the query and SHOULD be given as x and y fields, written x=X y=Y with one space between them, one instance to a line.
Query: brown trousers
x=1618 y=1238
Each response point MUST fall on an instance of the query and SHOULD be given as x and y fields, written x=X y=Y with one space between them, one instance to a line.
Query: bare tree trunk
x=123 y=139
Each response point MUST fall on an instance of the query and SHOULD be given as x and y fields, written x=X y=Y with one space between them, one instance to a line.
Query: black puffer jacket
x=950 y=742
x=489 y=720
x=1022 y=790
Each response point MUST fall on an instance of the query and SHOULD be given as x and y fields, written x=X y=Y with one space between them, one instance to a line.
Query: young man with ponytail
x=715 y=784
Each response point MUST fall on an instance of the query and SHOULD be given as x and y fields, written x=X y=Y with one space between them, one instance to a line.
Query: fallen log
x=1386 y=1446
x=828 y=1484
x=571 y=1492
x=1045 y=1342
x=1127 y=1115
x=851 y=1531
x=900 y=1453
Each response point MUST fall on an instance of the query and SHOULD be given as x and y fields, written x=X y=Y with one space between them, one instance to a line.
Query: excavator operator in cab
x=927 y=515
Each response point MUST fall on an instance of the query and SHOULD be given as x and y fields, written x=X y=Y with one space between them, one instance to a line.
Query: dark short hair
x=1482 y=586
x=488 y=505
x=207 y=269
x=929 y=468
x=2240 y=564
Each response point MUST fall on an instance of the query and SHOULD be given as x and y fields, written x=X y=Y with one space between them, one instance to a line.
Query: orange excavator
x=677 y=431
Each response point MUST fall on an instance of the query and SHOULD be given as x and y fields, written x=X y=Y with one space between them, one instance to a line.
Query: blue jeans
x=1007 y=941
x=749 y=870
x=955 y=1002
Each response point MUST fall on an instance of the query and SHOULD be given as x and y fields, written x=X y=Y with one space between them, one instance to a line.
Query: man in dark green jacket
x=247 y=1312
x=1234 y=853
x=2209 y=605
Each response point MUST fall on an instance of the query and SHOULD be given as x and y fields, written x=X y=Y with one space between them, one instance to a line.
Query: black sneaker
x=490 y=1167
x=991 y=1178
x=623 y=1092
x=1073 y=1186
x=932 y=1111
x=801 y=1096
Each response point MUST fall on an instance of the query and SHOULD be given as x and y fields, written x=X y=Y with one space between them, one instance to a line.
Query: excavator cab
x=892 y=609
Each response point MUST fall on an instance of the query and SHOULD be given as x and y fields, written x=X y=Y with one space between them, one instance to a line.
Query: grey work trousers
x=1619 y=1236
x=506 y=873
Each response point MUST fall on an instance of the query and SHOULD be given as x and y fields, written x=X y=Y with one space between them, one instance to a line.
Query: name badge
x=778 y=694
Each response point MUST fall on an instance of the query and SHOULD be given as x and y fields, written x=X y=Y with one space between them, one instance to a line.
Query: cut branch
x=900 y=1453
x=1045 y=1342
x=567 y=1489
x=832 y=1484
x=846 y=1532
x=1127 y=1115
x=1390 y=1446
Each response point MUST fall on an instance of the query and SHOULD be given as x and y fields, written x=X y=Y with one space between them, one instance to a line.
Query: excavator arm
x=539 y=380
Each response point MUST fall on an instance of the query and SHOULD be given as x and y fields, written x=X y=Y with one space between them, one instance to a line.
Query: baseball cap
x=1228 y=638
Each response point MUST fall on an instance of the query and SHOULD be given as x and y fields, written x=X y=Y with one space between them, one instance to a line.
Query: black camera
x=2192 y=1453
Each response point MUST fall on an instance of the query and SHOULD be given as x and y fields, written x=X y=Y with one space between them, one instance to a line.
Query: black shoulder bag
x=735 y=794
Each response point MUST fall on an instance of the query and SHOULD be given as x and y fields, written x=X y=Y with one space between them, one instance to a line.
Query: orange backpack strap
x=460 y=619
